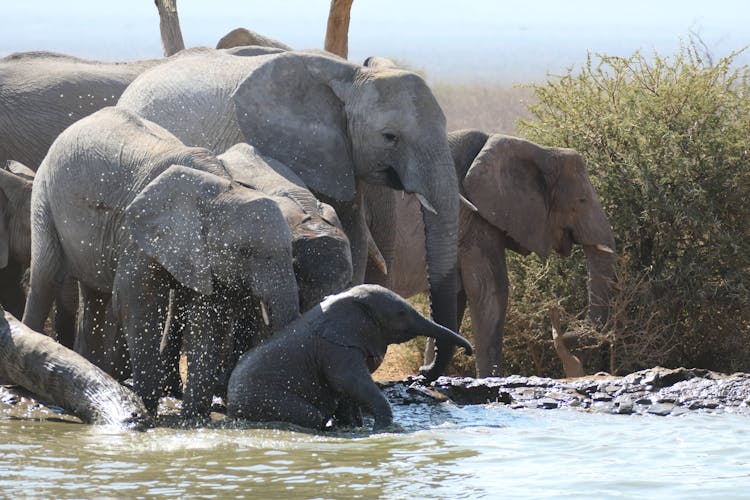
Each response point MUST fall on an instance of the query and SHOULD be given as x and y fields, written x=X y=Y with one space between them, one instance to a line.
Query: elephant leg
x=66 y=306
x=12 y=295
x=485 y=279
x=46 y=276
x=141 y=303
x=98 y=337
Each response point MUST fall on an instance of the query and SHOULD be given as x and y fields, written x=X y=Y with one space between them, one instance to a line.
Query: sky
x=467 y=41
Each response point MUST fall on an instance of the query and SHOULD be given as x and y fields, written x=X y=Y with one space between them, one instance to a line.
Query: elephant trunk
x=441 y=240
x=444 y=336
x=57 y=374
x=279 y=297
x=601 y=264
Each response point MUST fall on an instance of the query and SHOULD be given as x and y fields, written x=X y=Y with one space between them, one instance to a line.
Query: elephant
x=61 y=377
x=303 y=372
x=336 y=125
x=241 y=37
x=522 y=197
x=320 y=249
x=16 y=182
x=42 y=93
x=121 y=205
x=322 y=256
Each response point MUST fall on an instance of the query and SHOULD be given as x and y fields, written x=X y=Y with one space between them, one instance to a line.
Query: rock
x=659 y=391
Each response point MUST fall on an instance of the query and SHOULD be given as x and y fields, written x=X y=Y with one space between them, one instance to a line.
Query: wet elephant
x=305 y=370
x=121 y=205
x=335 y=124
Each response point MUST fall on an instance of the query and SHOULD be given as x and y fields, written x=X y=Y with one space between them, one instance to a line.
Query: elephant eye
x=390 y=138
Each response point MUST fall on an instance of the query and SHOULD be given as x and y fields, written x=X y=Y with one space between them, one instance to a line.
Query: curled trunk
x=62 y=377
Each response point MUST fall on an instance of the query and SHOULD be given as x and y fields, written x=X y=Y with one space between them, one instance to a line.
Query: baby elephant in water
x=305 y=370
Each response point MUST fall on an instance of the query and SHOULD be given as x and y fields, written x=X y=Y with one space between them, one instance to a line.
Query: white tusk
x=425 y=203
x=264 y=313
x=603 y=248
x=468 y=204
x=374 y=252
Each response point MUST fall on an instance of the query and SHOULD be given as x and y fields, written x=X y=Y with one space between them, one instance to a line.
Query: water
x=444 y=451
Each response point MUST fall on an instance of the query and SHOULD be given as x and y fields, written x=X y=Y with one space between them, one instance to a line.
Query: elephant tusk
x=468 y=204
x=425 y=203
x=264 y=313
x=603 y=248
x=374 y=252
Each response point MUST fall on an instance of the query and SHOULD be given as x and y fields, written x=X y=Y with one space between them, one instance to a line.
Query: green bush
x=667 y=143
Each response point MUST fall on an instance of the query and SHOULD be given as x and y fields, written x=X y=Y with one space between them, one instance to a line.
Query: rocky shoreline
x=657 y=391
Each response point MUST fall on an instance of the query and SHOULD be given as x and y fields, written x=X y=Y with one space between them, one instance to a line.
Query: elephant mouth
x=386 y=176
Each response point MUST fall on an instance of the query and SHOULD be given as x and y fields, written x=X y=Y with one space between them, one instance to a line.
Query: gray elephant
x=61 y=377
x=526 y=198
x=42 y=93
x=320 y=249
x=305 y=370
x=334 y=124
x=16 y=182
x=124 y=207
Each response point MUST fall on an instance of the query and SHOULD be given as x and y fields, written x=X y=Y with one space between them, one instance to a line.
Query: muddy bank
x=657 y=391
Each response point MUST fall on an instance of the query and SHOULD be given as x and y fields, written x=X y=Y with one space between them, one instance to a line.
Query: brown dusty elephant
x=302 y=374
x=528 y=198
x=121 y=205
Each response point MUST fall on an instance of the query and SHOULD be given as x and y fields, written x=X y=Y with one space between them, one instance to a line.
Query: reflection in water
x=443 y=451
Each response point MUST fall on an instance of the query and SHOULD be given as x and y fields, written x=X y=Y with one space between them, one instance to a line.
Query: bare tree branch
x=169 y=25
x=337 y=32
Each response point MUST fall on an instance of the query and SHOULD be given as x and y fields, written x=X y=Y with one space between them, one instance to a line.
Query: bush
x=667 y=142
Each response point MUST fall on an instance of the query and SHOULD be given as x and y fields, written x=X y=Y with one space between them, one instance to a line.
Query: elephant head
x=543 y=200
x=320 y=248
x=334 y=123
x=210 y=234
x=15 y=213
x=395 y=321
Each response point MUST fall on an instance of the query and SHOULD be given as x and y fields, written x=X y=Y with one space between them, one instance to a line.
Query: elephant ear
x=509 y=185
x=15 y=181
x=4 y=230
x=359 y=330
x=166 y=222
x=287 y=108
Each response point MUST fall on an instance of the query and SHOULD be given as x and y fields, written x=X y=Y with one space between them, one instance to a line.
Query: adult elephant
x=527 y=198
x=334 y=124
x=124 y=207
x=320 y=252
x=284 y=380
x=42 y=93
x=16 y=181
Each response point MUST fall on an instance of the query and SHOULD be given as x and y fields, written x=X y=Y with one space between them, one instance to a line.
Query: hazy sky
x=449 y=40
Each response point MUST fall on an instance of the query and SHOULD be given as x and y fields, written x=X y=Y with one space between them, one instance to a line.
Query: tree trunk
x=169 y=25
x=337 y=32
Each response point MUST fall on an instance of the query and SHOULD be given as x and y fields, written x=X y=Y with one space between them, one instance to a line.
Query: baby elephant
x=305 y=370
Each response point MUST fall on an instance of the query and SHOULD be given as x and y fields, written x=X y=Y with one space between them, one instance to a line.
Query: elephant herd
x=228 y=204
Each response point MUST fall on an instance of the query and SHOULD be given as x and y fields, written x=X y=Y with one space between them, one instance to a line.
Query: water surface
x=443 y=451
